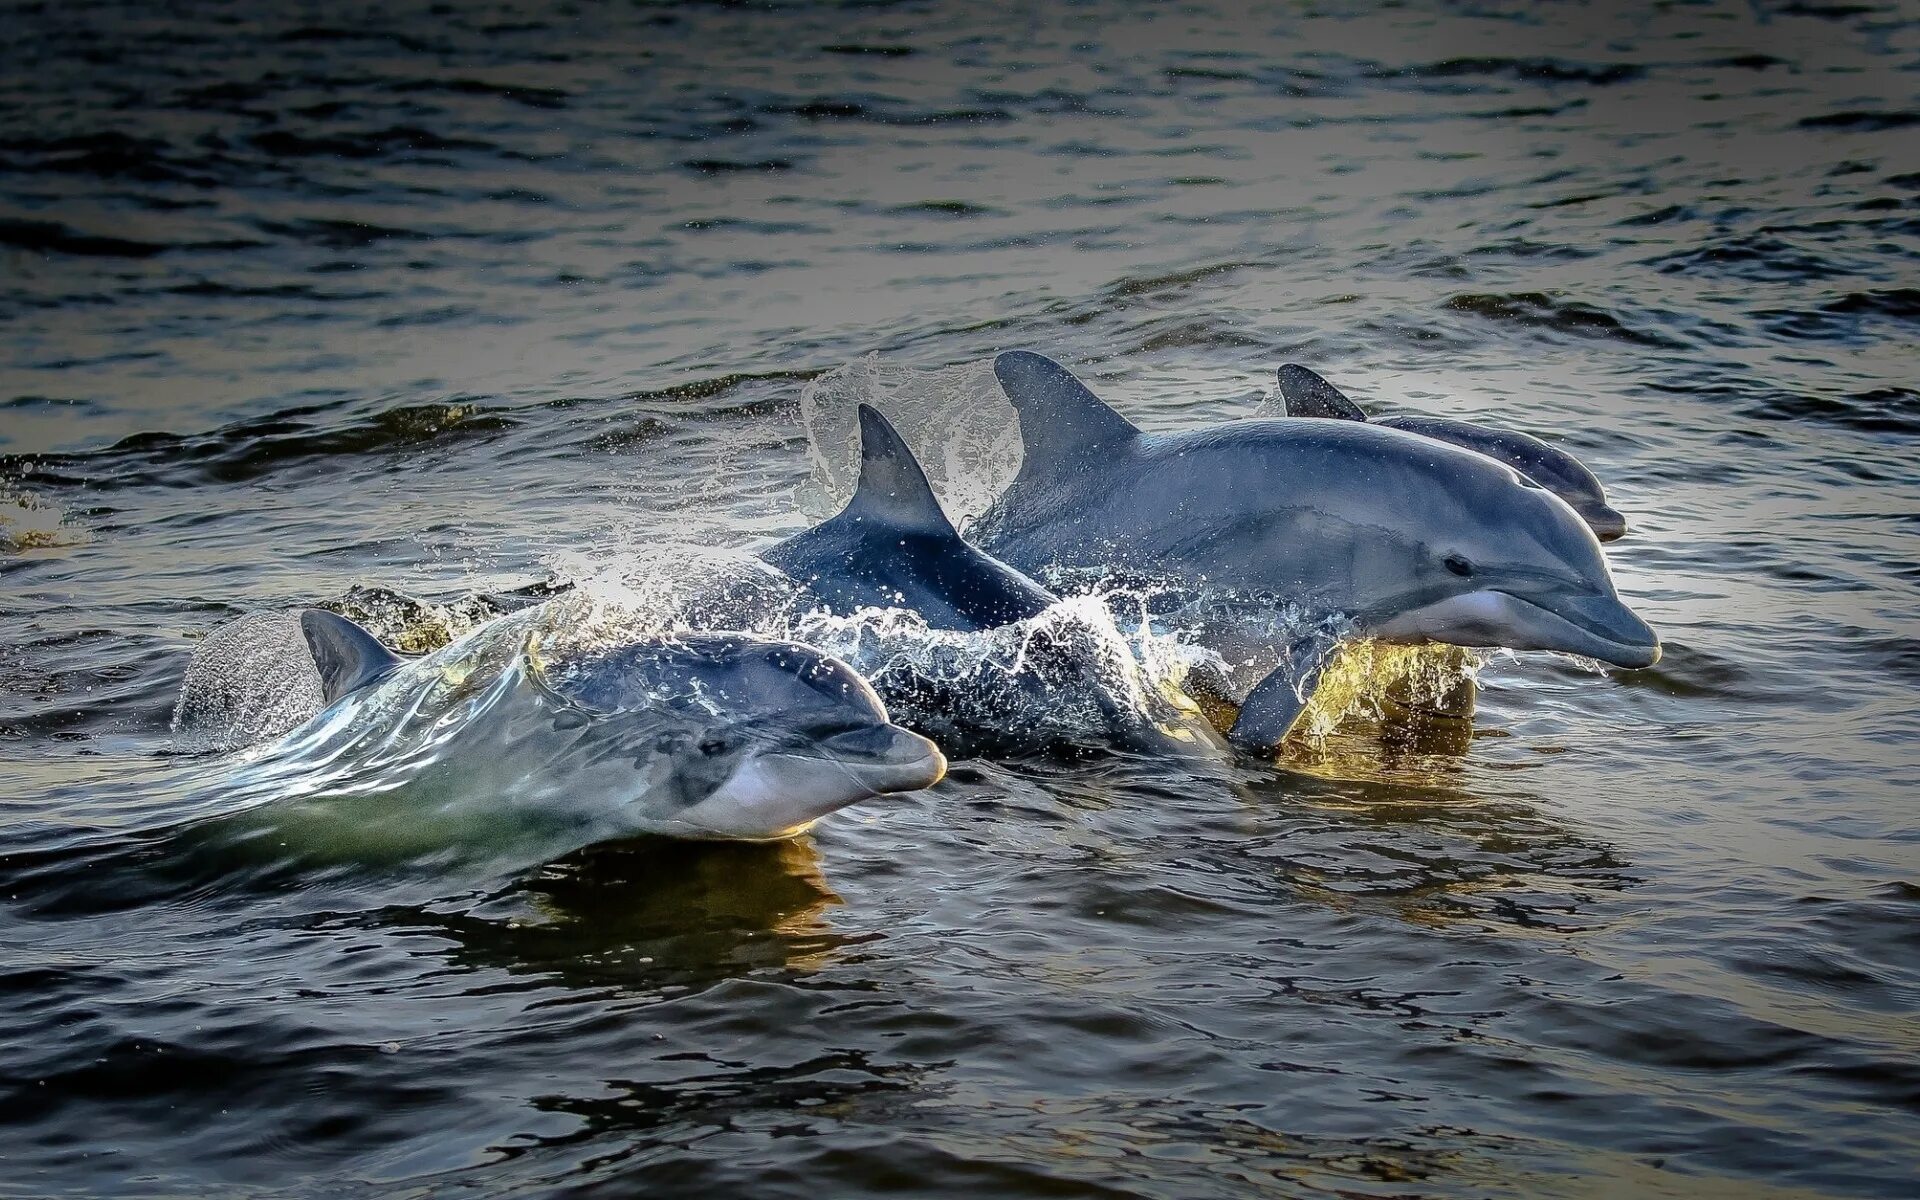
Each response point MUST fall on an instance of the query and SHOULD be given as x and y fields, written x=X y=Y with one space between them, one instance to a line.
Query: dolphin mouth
x=1607 y=524
x=781 y=793
x=1597 y=627
x=886 y=758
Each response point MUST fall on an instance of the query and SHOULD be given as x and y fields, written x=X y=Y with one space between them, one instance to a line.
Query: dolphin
x=1308 y=395
x=523 y=737
x=1347 y=528
x=1036 y=677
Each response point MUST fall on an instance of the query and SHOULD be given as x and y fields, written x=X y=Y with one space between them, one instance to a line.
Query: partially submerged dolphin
x=1308 y=395
x=516 y=739
x=1351 y=527
x=1035 y=678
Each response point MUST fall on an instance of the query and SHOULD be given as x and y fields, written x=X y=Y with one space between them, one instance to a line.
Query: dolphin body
x=504 y=743
x=1308 y=395
x=1355 y=528
x=892 y=547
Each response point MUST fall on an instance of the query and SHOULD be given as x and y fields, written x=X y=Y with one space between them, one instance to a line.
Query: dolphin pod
x=1308 y=395
x=1276 y=539
x=1358 y=528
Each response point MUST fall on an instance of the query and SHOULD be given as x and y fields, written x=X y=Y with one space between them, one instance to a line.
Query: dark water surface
x=423 y=297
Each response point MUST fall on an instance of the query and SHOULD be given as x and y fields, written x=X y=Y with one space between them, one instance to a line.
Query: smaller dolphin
x=1024 y=682
x=1308 y=395
x=512 y=740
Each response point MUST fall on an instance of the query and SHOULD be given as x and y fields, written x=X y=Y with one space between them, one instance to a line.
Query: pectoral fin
x=1276 y=702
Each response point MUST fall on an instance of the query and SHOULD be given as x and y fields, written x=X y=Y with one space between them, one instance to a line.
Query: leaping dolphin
x=1308 y=395
x=1358 y=528
x=516 y=739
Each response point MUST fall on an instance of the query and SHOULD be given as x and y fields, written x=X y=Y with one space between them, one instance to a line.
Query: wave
x=1538 y=310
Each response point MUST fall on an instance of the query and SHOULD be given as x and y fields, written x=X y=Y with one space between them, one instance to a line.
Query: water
x=300 y=301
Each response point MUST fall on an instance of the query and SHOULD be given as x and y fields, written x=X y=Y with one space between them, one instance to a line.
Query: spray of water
x=956 y=419
x=1071 y=674
x=250 y=680
x=29 y=523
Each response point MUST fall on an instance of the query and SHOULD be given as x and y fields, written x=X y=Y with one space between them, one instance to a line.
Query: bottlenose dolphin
x=1350 y=528
x=520 y=738
x=1308 y=395
x=1037 y=676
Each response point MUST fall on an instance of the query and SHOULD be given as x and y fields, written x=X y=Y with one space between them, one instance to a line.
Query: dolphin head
x=1492 y=558
x=1536 y=461
x=728 y=736
x=1307 y=394
x=1566 y=477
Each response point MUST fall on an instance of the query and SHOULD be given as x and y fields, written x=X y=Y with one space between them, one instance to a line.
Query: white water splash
x=1073 y=673
x=250 y=680
x=956 y=420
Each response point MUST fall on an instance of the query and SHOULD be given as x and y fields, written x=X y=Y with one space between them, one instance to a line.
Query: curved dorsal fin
x=893 y=490
x=1061 y=422
x=347 y=656
x=1308 y=395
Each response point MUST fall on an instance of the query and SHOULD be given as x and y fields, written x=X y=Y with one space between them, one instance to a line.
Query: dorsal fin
x=347 y=656
x=893 y=490
x=1061 y=422
x=1308 y=395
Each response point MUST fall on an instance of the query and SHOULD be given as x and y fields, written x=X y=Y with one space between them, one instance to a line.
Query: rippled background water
x=298 y=298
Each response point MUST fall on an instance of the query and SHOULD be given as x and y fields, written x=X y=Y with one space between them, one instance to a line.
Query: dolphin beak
x=887 y=758
x=780 y=793
x=1607 y=524
x=1593 y=626
x=1597 y=627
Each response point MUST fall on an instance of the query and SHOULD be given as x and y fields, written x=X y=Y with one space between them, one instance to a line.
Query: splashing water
x=30 y=523
x=250 y=680
x=1067 y=676
x=956 y=420
x=1070 y=675
x=409 y=624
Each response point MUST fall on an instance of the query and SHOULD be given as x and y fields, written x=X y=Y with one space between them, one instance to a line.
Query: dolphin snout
x=888 y=758
x=1615 y=634
x=1607 y=524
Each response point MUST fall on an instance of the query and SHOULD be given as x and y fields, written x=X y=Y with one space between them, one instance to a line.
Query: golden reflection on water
x=30 y=523
x=1376 y=681
x=699 y=903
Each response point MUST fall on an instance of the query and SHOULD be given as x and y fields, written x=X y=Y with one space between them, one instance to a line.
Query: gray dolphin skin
x=500 y=743
x=1365 y=530
x=1306 y=394
x=893 y=547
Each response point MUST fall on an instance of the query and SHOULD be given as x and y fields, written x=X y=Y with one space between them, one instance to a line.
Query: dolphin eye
x=1459 y=566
